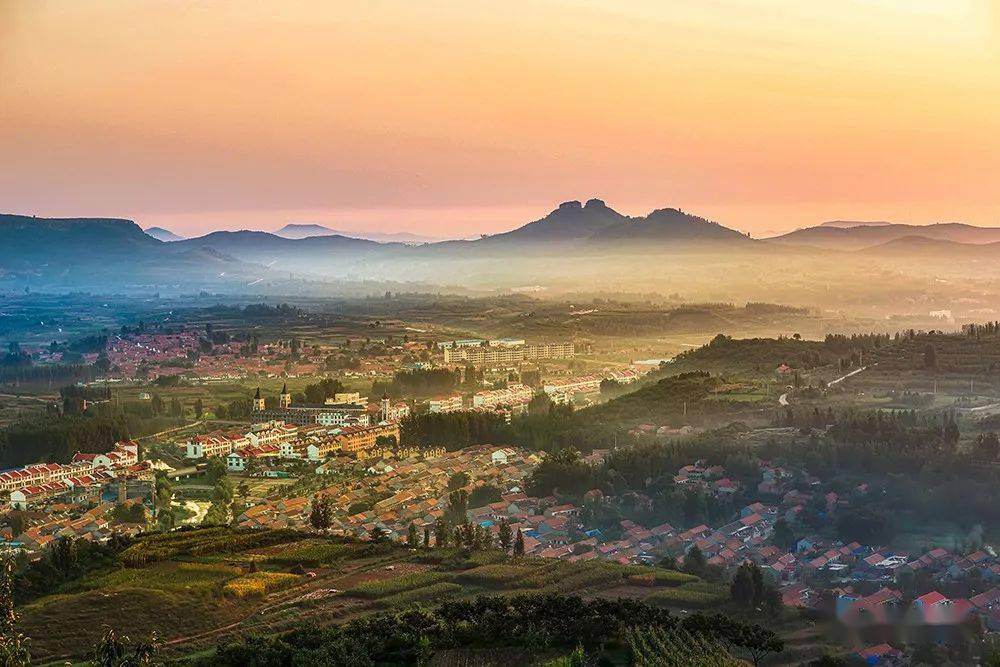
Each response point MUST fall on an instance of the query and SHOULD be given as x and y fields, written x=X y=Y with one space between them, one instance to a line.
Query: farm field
x=197 y=588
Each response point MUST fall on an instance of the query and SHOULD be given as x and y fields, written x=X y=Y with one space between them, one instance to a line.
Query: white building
x=447 y=404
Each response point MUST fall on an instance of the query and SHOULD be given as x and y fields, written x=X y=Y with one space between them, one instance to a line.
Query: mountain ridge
x=165 y=235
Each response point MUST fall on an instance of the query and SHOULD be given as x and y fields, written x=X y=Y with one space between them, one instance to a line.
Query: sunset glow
x=455 y=118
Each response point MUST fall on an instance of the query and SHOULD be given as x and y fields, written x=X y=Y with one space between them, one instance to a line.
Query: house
x=876 y=654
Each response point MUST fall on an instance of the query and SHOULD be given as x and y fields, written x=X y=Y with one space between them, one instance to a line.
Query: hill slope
x=865 y=236
x=161 y=234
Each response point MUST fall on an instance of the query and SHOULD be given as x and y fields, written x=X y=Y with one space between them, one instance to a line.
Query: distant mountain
x=671 y=224
x=304 y=231
x=328 y=255
x=101 y=252
x=572 y=221
x=857 y=238
x=920 y=246
x=165 y=235
x=596 y=224
x=847 y=224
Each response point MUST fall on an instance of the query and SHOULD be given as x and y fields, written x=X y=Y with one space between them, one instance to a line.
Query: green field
x=195 y=588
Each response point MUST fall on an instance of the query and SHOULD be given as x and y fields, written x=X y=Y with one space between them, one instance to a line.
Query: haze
x=453 y=119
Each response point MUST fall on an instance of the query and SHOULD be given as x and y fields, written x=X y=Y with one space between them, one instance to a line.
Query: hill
x=865 y=236
x=161 y=234
x=329 y=255
x=95 y=253
x=201 y=589
x=854 y=223
x=933 y=249
x=598 y=225
x=302 y=231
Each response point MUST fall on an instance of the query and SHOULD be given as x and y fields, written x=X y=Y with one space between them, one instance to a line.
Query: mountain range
x=304 y=231
x=161 y=234
x=866 y=235
x=596 y=223
x=96 y=252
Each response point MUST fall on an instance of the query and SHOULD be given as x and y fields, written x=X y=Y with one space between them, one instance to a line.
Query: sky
x=456 y=118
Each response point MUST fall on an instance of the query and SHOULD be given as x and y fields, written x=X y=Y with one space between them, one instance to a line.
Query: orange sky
x=460 y=117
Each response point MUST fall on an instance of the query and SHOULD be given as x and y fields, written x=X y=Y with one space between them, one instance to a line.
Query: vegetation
x=535 y=622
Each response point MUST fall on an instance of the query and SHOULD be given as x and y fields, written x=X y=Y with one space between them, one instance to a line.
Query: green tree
x=14 y=646
x=321 y=512
x=412 y=538
x=441 y=532
x=741 y=589
x=519 y=544
x=457 y=481
x=115 y=650
x=783 y=536
x=505 y=536
x=694 y=562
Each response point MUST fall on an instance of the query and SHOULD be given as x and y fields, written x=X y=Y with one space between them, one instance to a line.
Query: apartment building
x=508 y=354
x=447 y=404
x=513 y=395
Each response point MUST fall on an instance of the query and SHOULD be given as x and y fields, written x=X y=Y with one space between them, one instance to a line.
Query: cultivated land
x=206 y=586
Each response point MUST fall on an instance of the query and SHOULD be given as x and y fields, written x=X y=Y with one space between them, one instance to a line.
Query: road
x=783 y=399
x=854 y=372
x=170 y=430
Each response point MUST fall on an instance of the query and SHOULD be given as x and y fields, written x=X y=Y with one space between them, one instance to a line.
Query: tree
x=519 y=544
x=504 y=536
x=694 y=562
x=930 y=357
x=412 y=539
x=427 y=537
x=321 y=513
x=457 y=481
x=199 y=408
x=16 y=522
x=458 y=506
x=988 y=446
x=14 y=647
x=783 y=536
x=741 y=589
x=377 y=535
x=162 y=498
x=441 y=532
x=215 y=469
x=115 y=650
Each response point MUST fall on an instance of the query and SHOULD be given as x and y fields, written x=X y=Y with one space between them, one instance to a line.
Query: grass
x=434 y=592
x=698 y=595
x=201 y=542
x=658 y=577
x=495 y=576
x=179 y=578
x=374 y=590
x=310 y=553
x=257 y=584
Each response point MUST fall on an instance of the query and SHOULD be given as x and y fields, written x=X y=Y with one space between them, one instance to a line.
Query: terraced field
x=197 y=588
